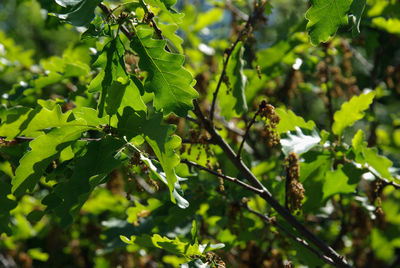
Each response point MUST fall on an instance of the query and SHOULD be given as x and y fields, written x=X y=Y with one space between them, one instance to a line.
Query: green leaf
x=113 y=80
x=369 y=157
x=356 y=12
x=22 y=121
x=168 y=14
x=312 y=176
x=289 y=121
x=44 y=150
x=158 y=136
x=90 y=116
x=6 y=205
x=194 y=232
x=208 y=18
x=324 y=18
x=237 y=79
x=157 y=173
x=81 y=12
x=90 y=170
x=168 y=31
x=299 y=143
x=351 y=111
x=173 y=246
x=343 y=180
x=391 y=25
x=170 y=82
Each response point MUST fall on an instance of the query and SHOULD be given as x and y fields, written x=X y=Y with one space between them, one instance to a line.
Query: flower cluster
x=267 y=112
x=294 y=188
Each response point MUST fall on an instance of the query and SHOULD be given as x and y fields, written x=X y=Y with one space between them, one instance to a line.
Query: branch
x=302 y=242
x=265 y=194
x=250 y=22
x=221 y=78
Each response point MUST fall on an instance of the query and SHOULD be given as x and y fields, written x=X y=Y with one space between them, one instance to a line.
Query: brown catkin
x=294 y=188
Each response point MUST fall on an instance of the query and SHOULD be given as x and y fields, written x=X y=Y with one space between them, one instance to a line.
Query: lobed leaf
x=158 y=136
x=170 y=82
x=23 y=121
x=44 y=150
x=299 y=143
x=113 y=80
x=237 y=79
x=369 y=157
x=351 y=111
x=81 y=11
x=324 y=18
x=90 y=170
x=343 y=180
x=289 y=121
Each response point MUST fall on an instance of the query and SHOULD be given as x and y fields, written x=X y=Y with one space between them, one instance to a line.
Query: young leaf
x=237 y=79
x=168 y=31
x=289 y=121
x=351 y=111
x=173 y=246
x=170 y=82
x=324 y=18
x=158 y=136
x=44 y=150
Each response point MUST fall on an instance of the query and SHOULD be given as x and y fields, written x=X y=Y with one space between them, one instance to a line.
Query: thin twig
x=223 y=73
x=302 y=242
x=257 y=13
x=265 y=194
x=191 y=119
x=236 y=11
x=246 y=134
x=225 y=177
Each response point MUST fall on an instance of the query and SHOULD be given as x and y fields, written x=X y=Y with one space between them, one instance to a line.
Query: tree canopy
x=164 y=133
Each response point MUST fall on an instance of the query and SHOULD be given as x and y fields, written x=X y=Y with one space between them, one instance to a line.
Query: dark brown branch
x=302 y=242
x=265 y=194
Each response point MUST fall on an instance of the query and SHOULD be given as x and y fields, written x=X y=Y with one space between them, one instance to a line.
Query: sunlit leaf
x=289 y=121
x=81 y=12
x=324 y=18
x=171 y=83
x=351 y=111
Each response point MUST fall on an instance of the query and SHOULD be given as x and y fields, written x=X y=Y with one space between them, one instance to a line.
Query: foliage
x=199 y=134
